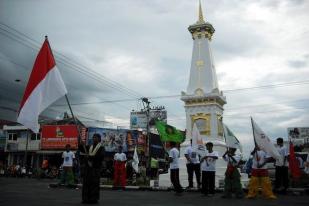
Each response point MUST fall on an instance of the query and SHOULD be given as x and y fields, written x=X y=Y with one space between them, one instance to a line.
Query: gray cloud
x=297 y=63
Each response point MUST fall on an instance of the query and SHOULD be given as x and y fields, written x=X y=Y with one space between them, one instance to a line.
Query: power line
x=67 y=61
x=77 y=67
x=177 y=96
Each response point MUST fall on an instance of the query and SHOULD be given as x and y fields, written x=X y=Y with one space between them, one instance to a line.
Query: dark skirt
x=91 y=185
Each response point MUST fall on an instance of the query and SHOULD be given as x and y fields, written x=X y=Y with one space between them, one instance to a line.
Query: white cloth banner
x=135 y=161
x=263 y=141
x=230 y=139
x=197 y=142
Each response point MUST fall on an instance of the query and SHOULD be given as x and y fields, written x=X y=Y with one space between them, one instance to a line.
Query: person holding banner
x=193 y=165
x=208 y=167
x=232 y=175
x=259 y=175
x=94 y=156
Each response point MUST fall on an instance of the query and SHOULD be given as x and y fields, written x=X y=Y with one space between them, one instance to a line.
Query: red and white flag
x=44 y=87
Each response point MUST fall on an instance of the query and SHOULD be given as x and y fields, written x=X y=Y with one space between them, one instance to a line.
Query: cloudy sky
x=126 y=49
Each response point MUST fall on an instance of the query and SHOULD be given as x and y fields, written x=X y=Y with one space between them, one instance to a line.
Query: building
x=21 y=145
x=24 y=147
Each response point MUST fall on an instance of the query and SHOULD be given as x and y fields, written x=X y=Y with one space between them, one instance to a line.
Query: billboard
x=138 y=120
x=113 y=138
x=299 y=134
x=57 y=136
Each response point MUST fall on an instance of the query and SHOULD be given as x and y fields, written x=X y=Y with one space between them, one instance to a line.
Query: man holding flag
x=259 y=175
x=263 y=147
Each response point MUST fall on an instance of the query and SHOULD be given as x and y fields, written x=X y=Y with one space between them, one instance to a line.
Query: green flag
x=169 y=133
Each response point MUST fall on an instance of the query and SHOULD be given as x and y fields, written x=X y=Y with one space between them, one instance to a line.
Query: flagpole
x=74 y=119
x=254 y=141
x=253 y=131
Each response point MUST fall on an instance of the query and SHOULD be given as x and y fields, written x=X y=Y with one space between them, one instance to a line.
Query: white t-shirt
x=174 y=154
x=284 y=152
x=209 y=164
x=259 y=157
x=192 y=155
x=68 y=158
x=120 y=157
x=228 y=159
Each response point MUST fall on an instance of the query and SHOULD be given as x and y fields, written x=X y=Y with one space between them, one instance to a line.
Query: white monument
x=203 y=99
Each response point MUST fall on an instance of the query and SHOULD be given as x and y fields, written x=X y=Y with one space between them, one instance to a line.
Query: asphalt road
x=34 y=192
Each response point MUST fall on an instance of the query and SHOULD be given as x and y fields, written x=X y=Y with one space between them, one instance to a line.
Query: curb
x=293 y=191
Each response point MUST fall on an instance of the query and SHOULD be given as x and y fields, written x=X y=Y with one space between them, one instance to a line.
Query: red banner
x=57 y=136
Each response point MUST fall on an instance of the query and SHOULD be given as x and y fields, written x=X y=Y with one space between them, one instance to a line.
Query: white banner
x=263 y=141
x=197 y=142
x=230 y=139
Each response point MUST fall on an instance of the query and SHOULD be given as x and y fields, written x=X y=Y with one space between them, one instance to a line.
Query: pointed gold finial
x=200 y=14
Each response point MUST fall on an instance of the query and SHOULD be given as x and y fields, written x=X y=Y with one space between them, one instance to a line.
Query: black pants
x=194 y=168
x=91 y=185
x=175 y=180
x=208 y=182
x=153 y=173
x=282 y=177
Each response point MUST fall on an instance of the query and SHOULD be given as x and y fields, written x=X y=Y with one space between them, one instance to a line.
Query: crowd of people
x=204 y=168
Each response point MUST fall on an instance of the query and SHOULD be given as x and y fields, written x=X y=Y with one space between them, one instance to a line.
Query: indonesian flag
x=197 y=141
x=44 y=87
x=263 y=142
x=293 y=163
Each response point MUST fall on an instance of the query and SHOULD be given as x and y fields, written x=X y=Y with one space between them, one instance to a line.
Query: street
x=14 y=191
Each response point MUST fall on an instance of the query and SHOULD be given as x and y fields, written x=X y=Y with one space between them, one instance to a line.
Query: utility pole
x=26 y=150
x=147 y=107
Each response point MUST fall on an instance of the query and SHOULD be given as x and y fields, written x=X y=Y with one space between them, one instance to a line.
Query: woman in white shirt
x=120 y=159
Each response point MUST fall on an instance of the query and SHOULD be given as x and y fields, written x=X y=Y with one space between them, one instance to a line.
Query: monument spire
x=200 y=14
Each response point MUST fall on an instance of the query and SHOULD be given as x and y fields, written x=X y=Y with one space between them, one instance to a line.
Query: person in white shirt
x=232 y=175
x=208 y=167
x=282 y=173
x=193 y=165
x=174 y=168
x=120 y=159
x=259 y=175
x=67 y=176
